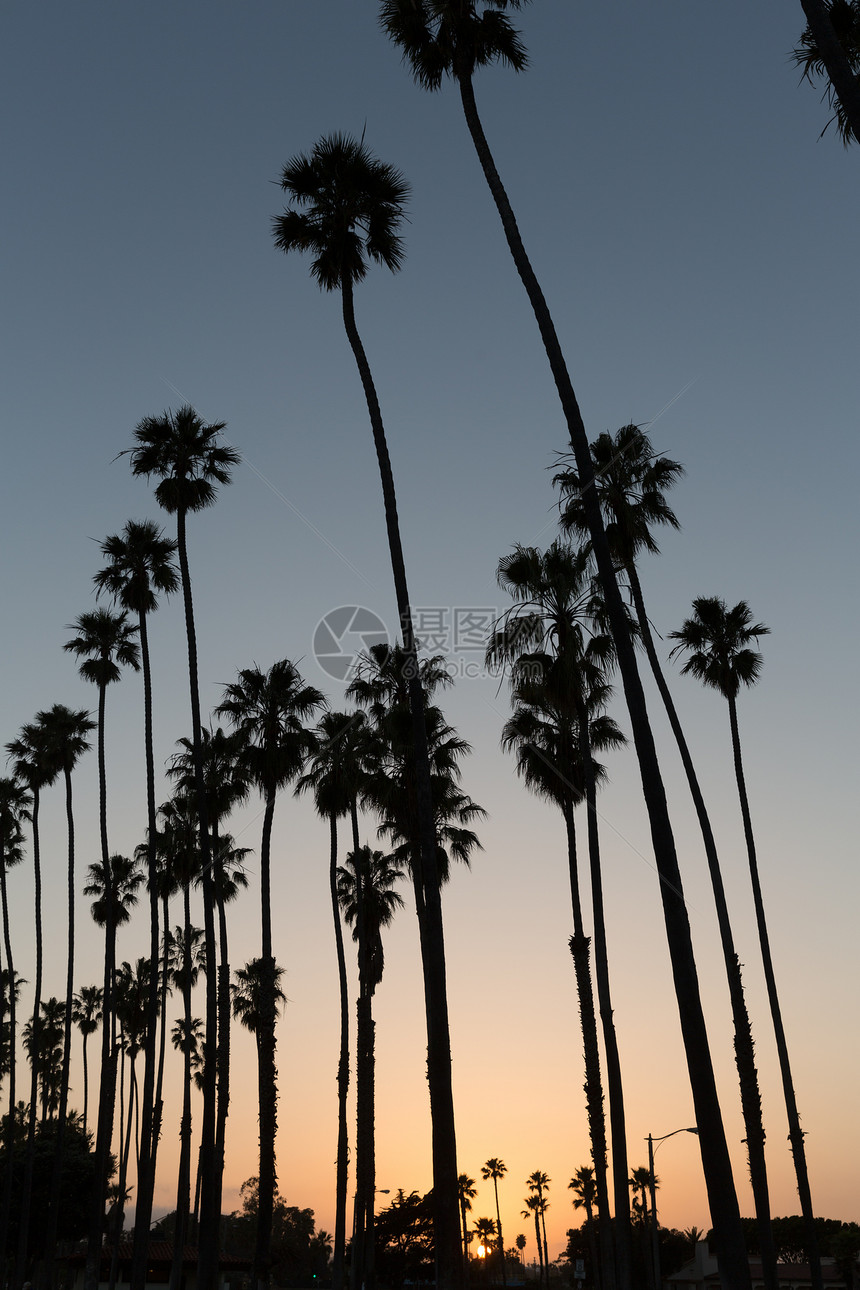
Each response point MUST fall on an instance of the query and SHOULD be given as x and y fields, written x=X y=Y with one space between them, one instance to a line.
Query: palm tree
x=717 y=641
x=365 y=888
x=268 y=710
x=532 y=1210
x=468 y=1191
x=351 y=205
x=87 y=1014
x=551 y=639
x=830 y=46
x=44 y=1047
x=132 y=1012
x=247 y=993
x=631 y=481
x=584 y=1197
x=15 y=803
x=184 y=454
x=538 y=1182
x=495 y=1168
x=35 y=766
x=139 y=568
x=334 y=776
x=442 y=38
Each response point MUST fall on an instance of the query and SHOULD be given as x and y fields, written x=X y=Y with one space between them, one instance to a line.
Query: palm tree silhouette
x=268 y=710
x=351 y=205
x=442 y=38
x=247 y=993
x=717 y=642
x=486 y=1233
x=538 y=1182
x=334 y=776
x=185 y=455
x=140 y=567
x=830 y=45
x=15 y=803
x=631 y=481
x=468 y=1191
x=495 y=1168
x=533 y=1210
x=87 y=1015
x=585 y=1197
x=44 y=1048
x=365 y=888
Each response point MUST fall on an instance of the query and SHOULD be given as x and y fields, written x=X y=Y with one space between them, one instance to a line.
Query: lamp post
x=655 y=1238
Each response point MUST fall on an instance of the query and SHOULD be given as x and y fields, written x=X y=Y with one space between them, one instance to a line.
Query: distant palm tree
x=365 y=887
x=140 y=567
x=268 y=710
x=585 y=1197
x=15 y=803
x=717 y=642
x=468 y=1191
x=87 y=1014
x=349 y=210
x=452 y=38
x=538 y=1183
x=495 y=1168
x=44 y=1048
x=185 y=455
x=486 y=1234
x=532 y=1210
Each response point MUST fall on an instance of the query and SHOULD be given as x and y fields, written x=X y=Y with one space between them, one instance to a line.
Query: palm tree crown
x=139 y=566
x=183 y=451
x=105 y=642
x=366 y=892
x=350 y=207
x=452 y=38
x=717 y=640
x=268 y=709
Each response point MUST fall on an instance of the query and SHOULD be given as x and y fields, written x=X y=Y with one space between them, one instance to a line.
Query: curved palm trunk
x=617 y=1125
x=59 y=1148
x=26 y=1196
x=580 y=951
x=207 y=1263
x=183 y=1186
x=499 y=1226
x=446 y=1218
x=10 y=1120
x=795 y=1133
x=361 y=1266
x=342 y=1075
x=722 y=1197
x=223 y=1024
x=465 y=1240
x=743 y=1038
x=158 y=1108
x=266 y=1070
x=149 y=1135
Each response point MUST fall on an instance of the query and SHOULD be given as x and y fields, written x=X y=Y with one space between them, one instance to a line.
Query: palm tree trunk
x=223 y=1024
x=10 y=1121
x=207 y=1264
x=539 y=1250
x=743 y=1038
x=148 y=1138
x=158 y=1108
x=722 y=1197
x=580 y=951
x=183 y=1186
x=266 y=1070
x=364 y=1126
x=27 y=1192
x=465 y=1241
x=125 y=1152
x=617 y=1125
x=839 y=72
x=501 y=1237
x=795 y=1133
x=592 y=1245
x=446 y=1218
x=341 y=1178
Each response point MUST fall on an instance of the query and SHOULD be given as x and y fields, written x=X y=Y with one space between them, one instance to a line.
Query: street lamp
x=655 y=1238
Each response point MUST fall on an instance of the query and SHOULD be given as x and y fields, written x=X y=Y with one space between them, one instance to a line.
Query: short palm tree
x=631 y=482
x=495 y=1168
x=585 y=1197
x=87 y=1015
x=830 y=46
x=187 y=458
x=538 y=1183
x=269 y=709
x=718 y=645
x=454 y=38
x=140 y=568
x=365 y=887
x=348 y=208
x=468 y=1191
x=533 y=1210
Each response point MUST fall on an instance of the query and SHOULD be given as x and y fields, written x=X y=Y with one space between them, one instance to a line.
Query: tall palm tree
x=268 y=709
x=140 y=568
x=551 y=640
x=631 y=482
x=334 y=776
x=35 y=766
x=538 y=1183
x=442 y=38
x=87 y=1014
x=585 y=1197
x=15 y=803
x=495 y=1168
x=365 y=887
x=185 y=455
x=349 y=211
x=718 y=644
x=830 y=45
x=468 y=1191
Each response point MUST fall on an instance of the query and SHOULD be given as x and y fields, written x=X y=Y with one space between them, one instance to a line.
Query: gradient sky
x=693 y=235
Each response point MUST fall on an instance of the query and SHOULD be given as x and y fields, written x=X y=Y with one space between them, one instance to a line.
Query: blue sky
x=693 y=235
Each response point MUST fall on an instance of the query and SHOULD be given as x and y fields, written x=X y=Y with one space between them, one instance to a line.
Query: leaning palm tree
x=268 y=709
x=87 y=1014
x=718 y=644
x=585 y=1197
x=334 y=776
x=452 y=38
x=15 y=803
x=495 y=1168
x=184 y=454
x=365 y=888
x=468 y=1191
x=631 y=482
x=349 y=207
x=140 y=567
